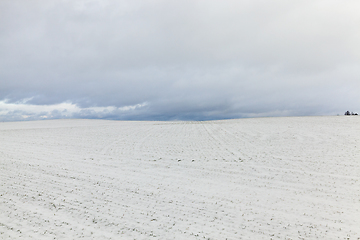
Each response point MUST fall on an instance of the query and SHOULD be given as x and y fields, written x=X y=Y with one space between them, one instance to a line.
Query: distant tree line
x=350 y=113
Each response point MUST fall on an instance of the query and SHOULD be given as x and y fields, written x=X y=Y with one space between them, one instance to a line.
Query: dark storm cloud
x=184 y=59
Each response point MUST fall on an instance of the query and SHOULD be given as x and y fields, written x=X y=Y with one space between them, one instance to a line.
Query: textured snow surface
x=266 y=178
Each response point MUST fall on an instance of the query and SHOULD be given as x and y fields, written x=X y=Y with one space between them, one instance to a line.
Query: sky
x=178 y=60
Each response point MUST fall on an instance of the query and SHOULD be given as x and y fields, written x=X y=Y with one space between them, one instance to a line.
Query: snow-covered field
x=265 y=178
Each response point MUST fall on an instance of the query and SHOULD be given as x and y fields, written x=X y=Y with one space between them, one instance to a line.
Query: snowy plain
x=261 y=178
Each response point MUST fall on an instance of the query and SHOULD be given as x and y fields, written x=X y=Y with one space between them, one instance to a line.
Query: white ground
x=280 y=178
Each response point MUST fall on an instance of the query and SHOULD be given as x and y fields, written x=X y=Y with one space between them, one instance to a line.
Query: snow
x=262 y=178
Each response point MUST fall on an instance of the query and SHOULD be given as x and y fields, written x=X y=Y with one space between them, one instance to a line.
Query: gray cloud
x=185 y=59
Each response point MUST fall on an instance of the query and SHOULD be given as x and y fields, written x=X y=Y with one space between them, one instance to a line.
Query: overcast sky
x=178 y=60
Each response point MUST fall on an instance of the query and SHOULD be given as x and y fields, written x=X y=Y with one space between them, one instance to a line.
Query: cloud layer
x=186 y=60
